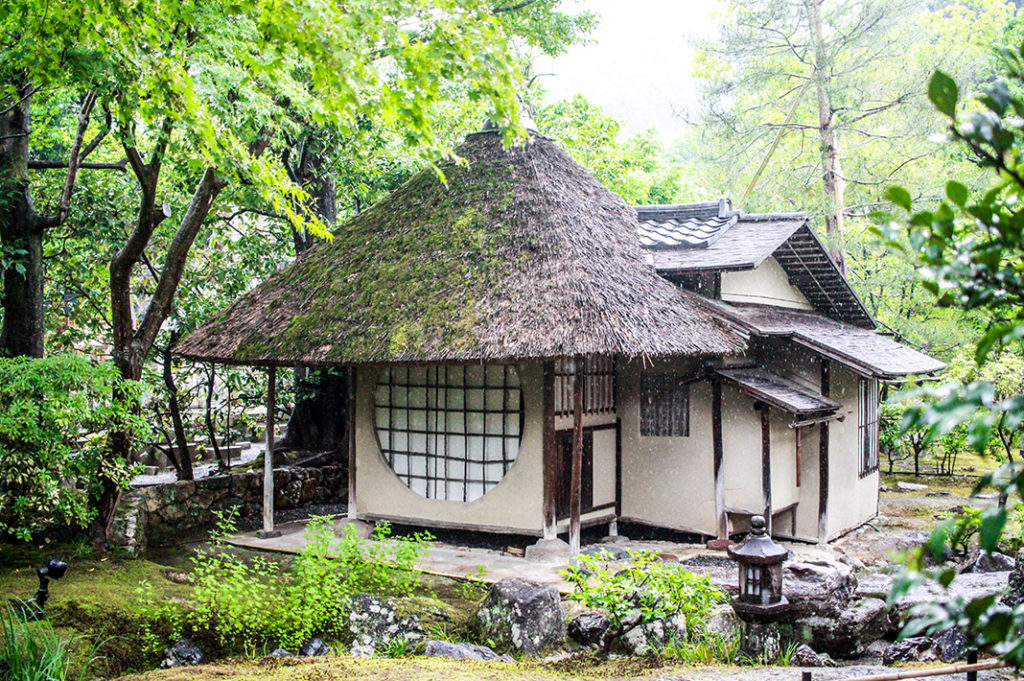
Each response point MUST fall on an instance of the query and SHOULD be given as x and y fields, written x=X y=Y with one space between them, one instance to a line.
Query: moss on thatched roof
x=516 y=254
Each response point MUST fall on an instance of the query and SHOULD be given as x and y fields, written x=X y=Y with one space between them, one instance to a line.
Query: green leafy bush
x=55 y=414
x=962 y=526
x=256 y=604
x=645 y=589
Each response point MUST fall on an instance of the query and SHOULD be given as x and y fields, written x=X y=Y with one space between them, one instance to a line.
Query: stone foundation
x=166 y=514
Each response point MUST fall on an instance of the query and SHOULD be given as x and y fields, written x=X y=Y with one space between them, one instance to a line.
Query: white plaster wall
x=741 y=451
x=768 y=284
x=807 y=509
x=783 y=454
x=514 y=503
x=852 y=500
x=667 y=481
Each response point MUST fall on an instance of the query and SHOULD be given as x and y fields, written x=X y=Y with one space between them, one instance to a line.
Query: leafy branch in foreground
x=969 y=250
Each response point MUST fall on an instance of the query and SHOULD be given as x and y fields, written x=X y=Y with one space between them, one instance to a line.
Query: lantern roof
x=758 y=548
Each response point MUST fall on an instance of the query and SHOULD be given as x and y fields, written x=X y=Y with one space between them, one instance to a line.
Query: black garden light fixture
x=760 y=573
x=33 y=609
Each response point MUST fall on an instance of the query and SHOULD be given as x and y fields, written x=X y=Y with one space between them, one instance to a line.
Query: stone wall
x=169 y=513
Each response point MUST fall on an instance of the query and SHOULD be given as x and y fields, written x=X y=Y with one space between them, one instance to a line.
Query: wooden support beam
x=268 y=460
x=576 y=484
x=351 y=425
x=548 y=451
x=719 y=458
x=823 y=459
x=766 y=465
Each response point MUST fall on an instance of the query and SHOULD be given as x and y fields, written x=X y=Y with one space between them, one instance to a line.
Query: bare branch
x=515 y=7
x=60 y=165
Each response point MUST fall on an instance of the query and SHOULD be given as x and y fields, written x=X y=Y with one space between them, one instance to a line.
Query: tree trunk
x=21 y=235
x=831 y=169
x=180 y=439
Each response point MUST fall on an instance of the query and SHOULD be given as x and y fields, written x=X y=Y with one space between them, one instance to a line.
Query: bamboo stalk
x=937 y=671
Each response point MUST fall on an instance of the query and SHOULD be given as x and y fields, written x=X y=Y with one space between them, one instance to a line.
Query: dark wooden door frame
x=563 y=439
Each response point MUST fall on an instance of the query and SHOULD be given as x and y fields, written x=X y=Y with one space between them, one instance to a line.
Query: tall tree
x=817 y=104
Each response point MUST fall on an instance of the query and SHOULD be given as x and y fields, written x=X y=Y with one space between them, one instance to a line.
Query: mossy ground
x=420 y=669
x=101 y=602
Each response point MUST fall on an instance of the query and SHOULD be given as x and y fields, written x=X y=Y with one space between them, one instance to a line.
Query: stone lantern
x=760 y=578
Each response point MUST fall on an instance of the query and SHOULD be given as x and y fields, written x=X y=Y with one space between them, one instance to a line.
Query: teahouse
x=466 y=309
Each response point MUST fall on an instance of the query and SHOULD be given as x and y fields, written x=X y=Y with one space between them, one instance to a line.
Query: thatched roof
x=518 y=254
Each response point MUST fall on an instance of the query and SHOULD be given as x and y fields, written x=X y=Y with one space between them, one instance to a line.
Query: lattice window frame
x=452 y=432
x=664 y=405
x=598 y=386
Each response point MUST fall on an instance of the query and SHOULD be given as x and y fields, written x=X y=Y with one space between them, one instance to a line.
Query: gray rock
x=911 y=541
x=950 y=645
x=848 y=634
x=184 y=653
x=281 y=652
x=819 y=587
x=652 y=637
x=463 y=651
x=910 y=486
x=804 y=656
x=873 y=585
x=375 y=625
x=1015 y=584
x=522 y=615
x=877 y=649
x=606 y=552
x=939 y=493
x=723 y=621
x=990 y=562
x=915 y=649
x=979 y=584
x=314 y=647
x=589 y=628
x=548 y=551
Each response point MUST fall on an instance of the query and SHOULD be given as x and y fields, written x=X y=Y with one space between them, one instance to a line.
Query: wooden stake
x=353 y=511
x=576 y=485
x=268 y=460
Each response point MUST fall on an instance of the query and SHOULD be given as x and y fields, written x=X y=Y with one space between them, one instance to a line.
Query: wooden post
x=351 y=425
x=268 y=461
x=766 y=465
x=576 y=486
x=823 y=460
x=550 y=472
x=719 y=458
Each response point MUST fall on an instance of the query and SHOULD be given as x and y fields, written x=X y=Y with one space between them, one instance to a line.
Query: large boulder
x=818 y=587
x=522 y=615
x=652 y=637
x=375 y=625
x=1015 y=584
x=950 y=645
x=723 y=621
x=804 y=656
x=463 y=651
x=848 y=634
x=979 y=584
x=314 y=647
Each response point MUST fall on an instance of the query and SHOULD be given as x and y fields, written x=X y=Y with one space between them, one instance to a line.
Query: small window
x=868 y=426
x=664 y=406
x=598 y=386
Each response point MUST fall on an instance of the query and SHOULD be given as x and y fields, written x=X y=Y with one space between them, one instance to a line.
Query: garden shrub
x=961 y=526
x=55 y=414
x=645 y=589
x=254 y=604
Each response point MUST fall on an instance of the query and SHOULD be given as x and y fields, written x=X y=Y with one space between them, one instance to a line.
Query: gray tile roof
x=743 y=246
x=864 y=350
x=687 y=225
x=706 y=237
x=769 y=387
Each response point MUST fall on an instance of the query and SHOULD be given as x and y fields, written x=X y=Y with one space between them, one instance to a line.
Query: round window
x=449 y=432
